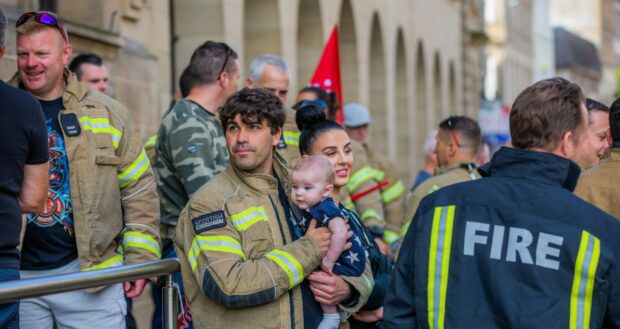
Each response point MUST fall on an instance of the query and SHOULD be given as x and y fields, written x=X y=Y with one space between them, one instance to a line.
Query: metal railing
x=12 y=291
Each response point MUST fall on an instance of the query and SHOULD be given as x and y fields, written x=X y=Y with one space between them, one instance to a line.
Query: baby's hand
x=327 y=265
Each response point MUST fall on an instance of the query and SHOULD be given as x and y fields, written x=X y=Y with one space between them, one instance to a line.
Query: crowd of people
x=284 y=218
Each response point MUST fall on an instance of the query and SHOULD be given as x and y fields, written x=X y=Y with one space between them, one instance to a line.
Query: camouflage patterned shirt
x=191 y=149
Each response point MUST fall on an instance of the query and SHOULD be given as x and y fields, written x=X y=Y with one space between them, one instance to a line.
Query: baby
x=313 y=182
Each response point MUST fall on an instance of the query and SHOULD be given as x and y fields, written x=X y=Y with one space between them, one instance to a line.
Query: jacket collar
x=455 y=165
x=543 y=167
x=74 y=92
x=262 y=182
x=611 y=155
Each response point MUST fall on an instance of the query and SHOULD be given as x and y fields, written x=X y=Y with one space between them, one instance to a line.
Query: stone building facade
x=410 y=61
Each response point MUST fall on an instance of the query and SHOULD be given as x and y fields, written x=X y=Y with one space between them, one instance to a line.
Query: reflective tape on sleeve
x=219 y=243
x=141 y=241
x=112 y=262
x=291 y=138
x=586 y=265
x=289 y=265
x=371 y=213
x=359 y=177
x=248 y=218
x=135 y=171
x=390 y=236
x=151 y=141
x=393 y=192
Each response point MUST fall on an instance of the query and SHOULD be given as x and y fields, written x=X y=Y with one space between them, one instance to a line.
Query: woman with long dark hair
x=326 y=138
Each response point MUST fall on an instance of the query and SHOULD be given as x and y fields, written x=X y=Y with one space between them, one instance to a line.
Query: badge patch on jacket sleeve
x=209 y=221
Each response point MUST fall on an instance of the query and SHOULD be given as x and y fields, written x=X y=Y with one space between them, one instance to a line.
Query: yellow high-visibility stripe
x=377 y=174
x=347 y=203
x=151 y=141
x=390 y=236
x=248 y=218
x=368 y=213
x=289 y=265
x=142 y=241
x=359 y=177
x=439 y=265
x=219 y=243
x=393 y=192
x=586 y=265
x=135 y=171
x=404 y=229
x=114 y=261
x=291 y=138
x=101 y=126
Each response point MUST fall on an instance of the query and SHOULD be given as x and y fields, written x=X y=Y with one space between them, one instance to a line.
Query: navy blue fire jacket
x=515 y=249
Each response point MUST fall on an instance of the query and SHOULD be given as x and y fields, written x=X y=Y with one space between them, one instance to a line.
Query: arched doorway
x=348 y=54
x=439 y=109
x=261 y=30
x=404 y=133
x=207 y=24
x=421 y=104
x=378 y=106
x=454 y=109
x=309 y=41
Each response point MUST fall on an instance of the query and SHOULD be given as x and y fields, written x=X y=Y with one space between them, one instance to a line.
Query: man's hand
x=383 y=247
x=369 y=316
x=134 y=288
x=327 y=288
x=320 y=235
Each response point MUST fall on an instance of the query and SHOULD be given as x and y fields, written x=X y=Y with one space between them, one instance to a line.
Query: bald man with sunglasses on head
x=102 y=207
x=458 y=140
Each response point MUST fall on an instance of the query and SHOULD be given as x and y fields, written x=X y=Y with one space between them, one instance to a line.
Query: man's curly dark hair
x=254 y=105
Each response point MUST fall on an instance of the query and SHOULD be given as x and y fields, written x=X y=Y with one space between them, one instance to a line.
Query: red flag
x=327 y=73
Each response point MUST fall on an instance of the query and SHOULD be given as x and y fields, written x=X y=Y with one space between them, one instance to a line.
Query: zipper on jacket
x=290 y=292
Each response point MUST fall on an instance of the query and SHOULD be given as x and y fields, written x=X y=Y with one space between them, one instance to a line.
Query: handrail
x=11 y=291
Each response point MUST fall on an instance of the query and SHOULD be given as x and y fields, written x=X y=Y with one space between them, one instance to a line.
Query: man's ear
x=248 y=82
x=276 y=137
x=67 y=51
x=2 y=52
x=567 y=145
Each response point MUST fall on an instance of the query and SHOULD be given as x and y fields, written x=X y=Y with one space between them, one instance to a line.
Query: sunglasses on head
x=228 y=53
x=44 y=18
x=452 y=133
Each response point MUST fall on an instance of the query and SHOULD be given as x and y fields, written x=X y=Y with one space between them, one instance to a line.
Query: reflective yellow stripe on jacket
x=151 y=141
x=390 y=236
x=219 y=243
x=291 y=138
x=142 y=241
x=135 y=171
x=583 y=281
x=403 y=230
x=359 y=177
x=439 y=265
x=289 y=265
x=248 y=218
x=348 y=203
x=371 y=213
x=101 y=126
x=112 y=262
x=393 y=192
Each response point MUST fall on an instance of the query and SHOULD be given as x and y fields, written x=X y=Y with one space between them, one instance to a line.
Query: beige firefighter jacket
x=364 y=178
x=240 y=265
x=115 y=203
x=290 y=135
x=452 y=174
x=392 y=194
x=601 y=185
